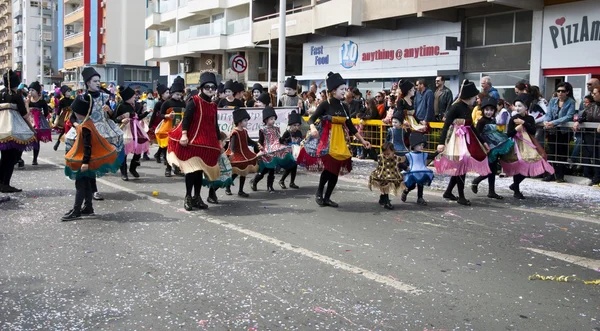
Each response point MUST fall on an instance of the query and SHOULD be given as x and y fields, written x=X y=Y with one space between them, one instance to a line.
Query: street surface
x=280 y=262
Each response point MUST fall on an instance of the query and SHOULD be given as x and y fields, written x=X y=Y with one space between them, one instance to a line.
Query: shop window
x=499 y=29
x=137 y=75
x=111 y=74
x=475 y=31
x=523 y=26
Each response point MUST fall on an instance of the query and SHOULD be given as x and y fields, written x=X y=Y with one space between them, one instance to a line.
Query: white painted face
x=489 y=111
x=290 y=91
x=340 y=91
x=396 y=123
x=520 y=108
x=166 y=95
x=176 y=96
x=256 y=94
x=244 y=123
x=228 y=93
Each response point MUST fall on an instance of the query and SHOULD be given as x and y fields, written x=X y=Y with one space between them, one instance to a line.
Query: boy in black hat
x=292 y=136
x=257 y=90
x=291 y=98
x=232 y=92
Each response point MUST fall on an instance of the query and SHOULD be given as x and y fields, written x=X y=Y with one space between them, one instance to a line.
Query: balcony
x=18 y=28
x=238 y=26
x=299 y=21
x=18 y=43
x=19 y=59
x=74 y=39
x=195 y=6
x=73 y=62
x=18 y=12
x=74 y=16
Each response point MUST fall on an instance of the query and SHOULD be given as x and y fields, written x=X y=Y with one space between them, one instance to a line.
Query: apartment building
x=6 y=45
x=33 y=21
x=188 y=37
x=108 y=35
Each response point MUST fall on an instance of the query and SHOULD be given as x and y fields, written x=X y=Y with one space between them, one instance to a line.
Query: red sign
x=399 y=54
x=239 y=64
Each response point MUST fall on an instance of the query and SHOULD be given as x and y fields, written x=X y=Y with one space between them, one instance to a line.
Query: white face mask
x=340 y=92
x=290 y=91
x=228 y=93
x=489 y=112
x=256 y=94
x=520 y=108
x=396 y=123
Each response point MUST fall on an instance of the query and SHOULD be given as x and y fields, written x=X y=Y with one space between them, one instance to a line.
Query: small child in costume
x=293 y=137
x=91 y=156
x=396 y=133
x=273 y=153
x=417 y=174
x=224 y=179
x=243 y=160
x=499 y=144
x=387 y=176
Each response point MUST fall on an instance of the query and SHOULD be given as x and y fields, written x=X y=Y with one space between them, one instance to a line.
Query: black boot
x=132 y=168
x=463 y=201
x=56 y=145
x=74 y=214
x=270 y=182
x=450 y=196
x=294 y=186
x=382 y=199
x=177 y=171
x=254 y=182
x=282 y=184
x=168 y=172
x=228 y=190
x=319 y=198
x=198 y=203
x=517 y=193
x=145 y=157
x=188 y=204
x=157 y=156
x=388 y=204
x=124 y=176
x=404 y=195
x=475 y=187
x=328 y=202
x=212 y=196
x=87 y=210
x=422 y=202
x=21 y=163
x=492 y=195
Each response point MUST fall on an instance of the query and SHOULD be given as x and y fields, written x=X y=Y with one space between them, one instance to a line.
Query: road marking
x=336 y=264
x=578 y=260
x=544 y=212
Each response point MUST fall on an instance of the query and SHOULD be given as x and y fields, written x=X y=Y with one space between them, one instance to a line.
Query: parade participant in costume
x=291 y=98
x=498 y=142
x=39 y=112
x=100 y=116
x=527 y=158
x=233 y=90
x=197 y=154
x=225 y=170
x=163 y=95
x=326 y=149
x=61 y=122
x=293 y=137
x=417 y=175
x=387 y=177
x=263 y=100
x=396 y=134
x=171 y=111
x=243 y=160
x=91 y=156
x=460 y=145
x=406 y=109
x=129 y=115
x=257 y=90
x=273 y=153
x=220 y=93
x=16 y=132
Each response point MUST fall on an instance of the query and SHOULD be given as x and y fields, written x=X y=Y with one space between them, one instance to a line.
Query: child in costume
x=293 y=137
x=171 y=112
x=129 y=115
x=498 y=142
x=91 y=156
x=224 y=179
x=406 y=108
x=273 y=153
x=417 y=174
x=155 y=118
x=527 y=158
x=63 y=114
x=387 y=177
x=243 y=160
x=396 y=133
x=39 y=112
x=460 y=145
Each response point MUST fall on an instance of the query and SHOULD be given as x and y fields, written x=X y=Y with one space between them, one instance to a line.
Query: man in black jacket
x=442 y=98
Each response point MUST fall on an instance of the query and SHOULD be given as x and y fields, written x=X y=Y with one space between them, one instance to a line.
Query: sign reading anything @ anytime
x=225 y=120
x=416 y=46
x=571 y=35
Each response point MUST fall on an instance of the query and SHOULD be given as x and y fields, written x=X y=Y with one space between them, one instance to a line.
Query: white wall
x=126 y=36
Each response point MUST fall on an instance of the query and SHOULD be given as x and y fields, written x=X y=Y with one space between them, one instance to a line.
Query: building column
x=535 y=63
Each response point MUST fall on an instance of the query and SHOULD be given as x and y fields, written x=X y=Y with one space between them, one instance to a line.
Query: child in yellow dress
x=387 y=176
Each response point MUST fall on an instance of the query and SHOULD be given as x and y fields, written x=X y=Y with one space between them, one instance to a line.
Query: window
x=111 y=74
x=137 y=75
x=499 y=29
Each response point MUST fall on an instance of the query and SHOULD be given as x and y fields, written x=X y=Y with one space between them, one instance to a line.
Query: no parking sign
x=239 y=64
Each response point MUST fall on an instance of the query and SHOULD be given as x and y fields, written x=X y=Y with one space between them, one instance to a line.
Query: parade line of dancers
x=100 y=133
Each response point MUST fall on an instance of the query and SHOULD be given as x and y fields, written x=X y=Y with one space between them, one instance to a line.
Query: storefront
x=374 y=58
x=570 y=44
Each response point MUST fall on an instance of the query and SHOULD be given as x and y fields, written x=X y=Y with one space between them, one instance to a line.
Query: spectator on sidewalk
x=591 y=85
x=486 y=86
x=424 y=102
x=442 y=98
x=591 y=139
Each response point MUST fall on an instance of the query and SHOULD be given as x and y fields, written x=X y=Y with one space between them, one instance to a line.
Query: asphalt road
x=280 y=262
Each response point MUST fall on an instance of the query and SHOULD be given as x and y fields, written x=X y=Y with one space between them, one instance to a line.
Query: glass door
x=579 y=87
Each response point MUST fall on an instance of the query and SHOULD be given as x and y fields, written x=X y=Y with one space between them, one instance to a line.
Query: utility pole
x=281 y=53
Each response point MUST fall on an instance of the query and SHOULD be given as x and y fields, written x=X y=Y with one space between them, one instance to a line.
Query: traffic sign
x=239 y=64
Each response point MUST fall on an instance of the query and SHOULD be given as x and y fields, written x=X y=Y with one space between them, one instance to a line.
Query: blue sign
x=320 y=58
x=348 y=54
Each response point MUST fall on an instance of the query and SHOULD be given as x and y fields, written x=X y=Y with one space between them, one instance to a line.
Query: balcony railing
x=287 y=12
x=70 y=35
x=208 y=29
x=238 y=26
x=18 y=28
x=74 y=12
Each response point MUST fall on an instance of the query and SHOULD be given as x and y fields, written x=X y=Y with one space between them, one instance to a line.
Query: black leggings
x=331 y=180
x=491 y=177
x=36 y=153
x=84 y=192
x=270 y=177
x=458 y=181
x=136 y=158
x=242 y=181
x=419 y=190
x=291 y=172
x=193 y=180
x=517 y=179
x=8 y=159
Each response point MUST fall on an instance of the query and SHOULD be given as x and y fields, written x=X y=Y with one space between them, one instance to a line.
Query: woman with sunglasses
x=198 y=154
x=561 y=109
